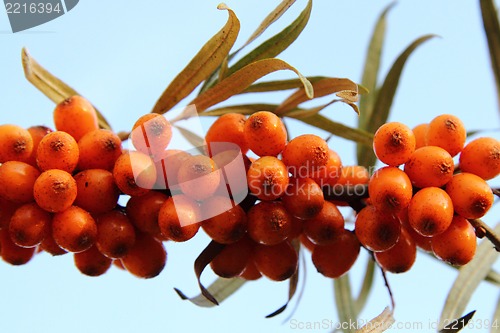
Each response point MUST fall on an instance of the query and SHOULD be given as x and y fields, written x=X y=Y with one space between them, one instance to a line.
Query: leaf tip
x=222 y=6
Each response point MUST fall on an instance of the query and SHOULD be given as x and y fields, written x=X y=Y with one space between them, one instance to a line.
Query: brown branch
x=483 y=230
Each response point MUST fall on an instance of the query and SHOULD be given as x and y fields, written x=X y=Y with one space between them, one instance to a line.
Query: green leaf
x=468 y=280
x=246 y=109
x=458 y=324
x=492 y=30
x=346 y=307
x=240 y=80
x=278 y=43
x=385 y=96
x=495 y=325
x=52 y=87
x=279 y=85
x=220 y=289
x=206 y=61
x=338 y=129
x=367 y=285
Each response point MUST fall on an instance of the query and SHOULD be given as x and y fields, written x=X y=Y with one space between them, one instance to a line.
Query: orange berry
x=7 y=209
x=167 y=165
x=265 y=133
x=229 y=127
x=29 y=225
x=57 y=150
x=233 y=258
x=147 y=258
x=143 y=212
x=277 y=262
x=267 y=178
x=115 y=234
x=448 y=132
x=471 y=195
x=75 y=116
x=55 y=190
x=429 y=166
x=337 y=258
x=325 y=228
x=179 y=218
x=377 y=230
x=421 y=241
x=13 y=254
x=481 y=157
x=420 y=132
x=269 y=222
x=400 y=257
x=37 y=133
x=17 y=180
x=353 y=175
x=91 y=262
x=430 y=211
x=226 y=222
x=16 y=143
x=457 y=245
x=151 y=133
x=99 y=149
x=233 y=166
x=250 y=273
x=96 y=191
x=331 y=172
x=49 y=245
x=74 y=229
x=393 y=143
x=390 y=190
x=305 y=241
x=198 y=177
x=305 y=155
x=303 y=198
x=134 y=173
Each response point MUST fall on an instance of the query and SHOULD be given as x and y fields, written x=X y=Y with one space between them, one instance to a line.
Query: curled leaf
x=380 y=323
x=220 y=289
x=206 y=61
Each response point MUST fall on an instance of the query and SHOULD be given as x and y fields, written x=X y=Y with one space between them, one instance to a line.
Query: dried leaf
x=206 y=61
x=468 y=280
x=343 y=88
x=220 y=289
x=346 y=307
x=52 y=87
x=367 y=285
x=492 y=30
x=240 y=80
x=279 y=85
x=380 y=323
x=458 y=324
x=246 y=109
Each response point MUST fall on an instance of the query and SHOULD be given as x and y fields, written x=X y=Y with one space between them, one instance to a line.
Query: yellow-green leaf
x=206 y=61
x=346 y=307
x=52 y=87
x=492 y=30
x=240 y=80
x=468 y=280
x=220 y=289
x=343 y=88
x=305 y=113
x=279 y=85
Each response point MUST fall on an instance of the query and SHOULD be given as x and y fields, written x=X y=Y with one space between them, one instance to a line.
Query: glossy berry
x=420 y=132
x=167 y=165
x=57 y=150
x=422 y=242
x=471 y=195
x=96 y=191
x=430 y=211
x=306 y=154
x=147 y=258
x=115 y=234
x=331 y=172
x=277 y=262
x=151 y=133
x=179 y=218
x=75 y=116
x=74 y=229
x=55 y=190
x=37 y=134
x=265 y=133
x=269 y=223
x=16 y=143
x=325 y=228
x=377 y=230
x=267 y=178
x=99 y=149
x=481 y=157
x=250 y=273
x=29 y=225
x=91 y=262
x=13 y=254
x=17 y=180
x=303 y=198
x=457 y=245
x=430 y=166
x=233 y=258
x=229 y=128
x=134 y=173
x=393 y=143
x=225 y=221
x=143 y=212
x=390 y=190
x=198 y=177
x=448 y=132
x=399 y=258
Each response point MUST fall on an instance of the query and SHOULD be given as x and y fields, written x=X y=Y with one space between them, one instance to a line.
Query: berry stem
x=483 y=230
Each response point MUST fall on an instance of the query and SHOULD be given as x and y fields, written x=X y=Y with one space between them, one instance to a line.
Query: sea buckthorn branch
x=483 y=230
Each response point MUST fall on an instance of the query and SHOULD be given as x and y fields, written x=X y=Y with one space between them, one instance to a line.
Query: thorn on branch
x=482 y=229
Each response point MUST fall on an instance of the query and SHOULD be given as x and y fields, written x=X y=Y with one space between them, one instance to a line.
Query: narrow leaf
x=380 y=323
x=468 y=280
x=240 y=80
x=246 y=109
x=343 y=88
x=367 y=285
x=458 y=324
x=495 y=326
x=220 y=289
x=279 y=85
x=194 y=139
x=492 y=30
x=52 y=87
x=346 y=307
x=206 y=61
x=278 y=43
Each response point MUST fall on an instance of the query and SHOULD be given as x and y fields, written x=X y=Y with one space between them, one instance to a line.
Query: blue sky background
x=121 y=55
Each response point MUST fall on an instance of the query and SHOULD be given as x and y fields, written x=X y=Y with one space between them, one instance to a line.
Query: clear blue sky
x=121 y=55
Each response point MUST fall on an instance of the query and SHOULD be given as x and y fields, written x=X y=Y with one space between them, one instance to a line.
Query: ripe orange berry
x=400 y=257
x=421 y=241
x=377 y=230
x=115 y=234
x=267 y=178
x=265 y=133
x=353 y=175
x=481 y=157
x=269 y=222
x=420 y=132
x=74 y=229
x=335 y=259
x=49 y=245
x=471 y=195
x=233 y=166
x=13 y=254
x=17 y=180
x=306 y=242
x=29 y=225
x=55 y=190
x=179 y=218
x=390 y=190
x=75 y=116
x=229 y=127
x=429 y=166
x=393 y=143
x=325 y=228
x=147 y=258
x=151 y=133
x=331 y=172
x=99 y=149
x=250 y=273
x=37 y=133
x=457 y=245
x=143 y=212
x=57 y=150
x=448 y=132
x=430 y=211
x=134 y=173
x=167 y=166
x=277 y=262
x=91 y=262
x=233 y=258
x=226 y=222
x=303 y=198
x=305 y=155
x=96 y=191
x=7 y=209
x=198 y=177
x=16 y=143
